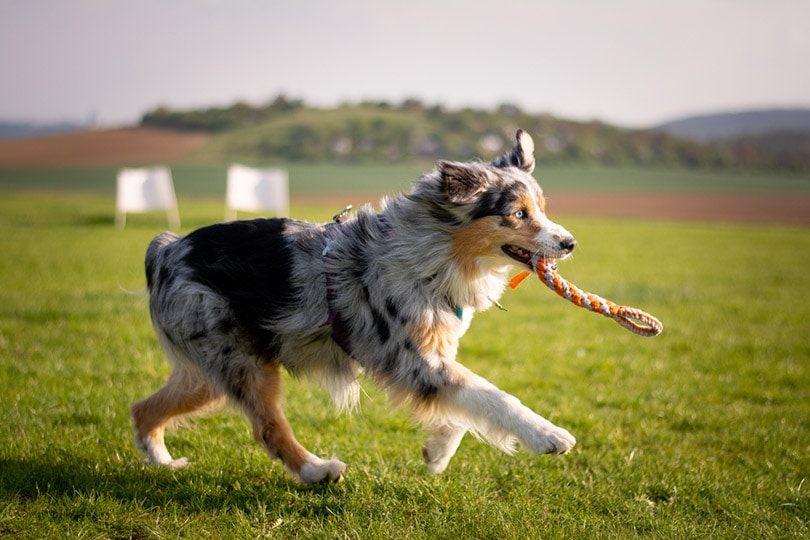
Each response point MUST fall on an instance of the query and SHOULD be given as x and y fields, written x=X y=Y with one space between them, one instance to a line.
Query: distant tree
x=375 y=131
x=509 y=109
x=282 y=103
x=412 y=105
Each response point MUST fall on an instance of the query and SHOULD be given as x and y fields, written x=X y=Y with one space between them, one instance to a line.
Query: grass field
x=702 y=432
x=209 y=181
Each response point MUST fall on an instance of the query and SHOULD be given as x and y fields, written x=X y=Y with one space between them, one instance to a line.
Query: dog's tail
x=153 y=254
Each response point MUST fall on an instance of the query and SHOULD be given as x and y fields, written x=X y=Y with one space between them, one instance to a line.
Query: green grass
x=702 y=432
x=305 y=179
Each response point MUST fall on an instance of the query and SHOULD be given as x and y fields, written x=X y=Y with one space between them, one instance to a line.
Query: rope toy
x=626 y=316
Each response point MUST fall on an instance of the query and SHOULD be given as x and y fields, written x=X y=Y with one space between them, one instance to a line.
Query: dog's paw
x=317 y=470
x=157 y=455
x=551 y=440
x=176 y=464
x=441 y=446
x=560 y=441
x=172 y=465
x=435 y=464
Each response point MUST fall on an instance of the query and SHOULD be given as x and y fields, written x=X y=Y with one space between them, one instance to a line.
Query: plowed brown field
x=116 y=147
x=144 y=146
x=711 y=207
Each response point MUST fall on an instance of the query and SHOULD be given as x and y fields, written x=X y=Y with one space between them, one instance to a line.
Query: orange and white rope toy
x=626 y=316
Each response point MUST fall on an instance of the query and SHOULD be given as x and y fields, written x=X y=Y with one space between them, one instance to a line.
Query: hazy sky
x=630 y=62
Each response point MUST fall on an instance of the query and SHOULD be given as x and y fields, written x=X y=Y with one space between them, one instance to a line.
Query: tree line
x=287 y=129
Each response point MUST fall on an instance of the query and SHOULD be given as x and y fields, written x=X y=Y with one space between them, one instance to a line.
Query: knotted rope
x=626 y=316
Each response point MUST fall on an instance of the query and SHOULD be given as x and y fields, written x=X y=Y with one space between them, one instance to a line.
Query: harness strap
x=340 y=329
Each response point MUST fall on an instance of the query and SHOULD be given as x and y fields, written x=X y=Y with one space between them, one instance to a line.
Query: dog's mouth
x=521 y=255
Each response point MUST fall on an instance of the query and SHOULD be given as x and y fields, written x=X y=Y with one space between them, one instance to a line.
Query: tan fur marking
x=182 y=394
x=270 y=426
x=433 y=340
x=525 y=202
x=484 y=238
x=481 y=238
x=532 y=206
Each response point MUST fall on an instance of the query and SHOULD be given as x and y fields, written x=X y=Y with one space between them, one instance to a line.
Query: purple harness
x=340 y=327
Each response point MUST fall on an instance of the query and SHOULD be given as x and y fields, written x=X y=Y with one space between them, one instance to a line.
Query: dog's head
x=501 y=212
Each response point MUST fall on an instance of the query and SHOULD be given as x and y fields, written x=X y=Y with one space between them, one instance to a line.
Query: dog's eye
x=520 y=214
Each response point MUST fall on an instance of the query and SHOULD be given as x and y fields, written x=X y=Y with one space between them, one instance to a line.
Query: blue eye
x=520 y=214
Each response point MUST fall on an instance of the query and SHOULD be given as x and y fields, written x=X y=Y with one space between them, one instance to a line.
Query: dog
x=384 y=294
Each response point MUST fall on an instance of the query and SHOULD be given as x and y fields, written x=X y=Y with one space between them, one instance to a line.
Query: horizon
x=89 y=124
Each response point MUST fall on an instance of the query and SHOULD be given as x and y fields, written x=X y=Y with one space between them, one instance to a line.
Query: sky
x=634 y=63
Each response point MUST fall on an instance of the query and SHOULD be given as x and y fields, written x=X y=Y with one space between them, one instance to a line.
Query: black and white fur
x=387 y=294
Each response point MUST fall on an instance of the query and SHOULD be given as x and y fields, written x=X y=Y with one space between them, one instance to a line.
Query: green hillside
x=290 y=131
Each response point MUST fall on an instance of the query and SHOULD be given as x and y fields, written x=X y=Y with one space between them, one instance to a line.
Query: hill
x=20 y=130
x=737 y=125
x=288 y=130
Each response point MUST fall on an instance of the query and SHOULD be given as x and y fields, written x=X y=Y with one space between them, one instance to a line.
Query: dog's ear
x=521 y=156
x=461 y=181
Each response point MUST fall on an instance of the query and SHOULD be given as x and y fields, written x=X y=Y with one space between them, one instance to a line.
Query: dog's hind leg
x=441 y=445
x=261 y=398
x=183 y=393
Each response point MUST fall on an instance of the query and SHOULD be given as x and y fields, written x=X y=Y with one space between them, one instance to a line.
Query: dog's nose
x=568 y=244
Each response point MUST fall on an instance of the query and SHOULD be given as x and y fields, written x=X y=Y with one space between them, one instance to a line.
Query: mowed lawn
x=702 y=432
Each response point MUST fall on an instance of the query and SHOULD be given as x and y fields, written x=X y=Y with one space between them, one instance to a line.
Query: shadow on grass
x=65 y=476
x=97 y=220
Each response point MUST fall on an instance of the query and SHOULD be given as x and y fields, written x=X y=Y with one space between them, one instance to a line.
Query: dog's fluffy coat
x=388 y=294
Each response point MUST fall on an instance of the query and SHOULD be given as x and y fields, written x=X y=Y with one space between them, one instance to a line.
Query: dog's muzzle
x=558 y=249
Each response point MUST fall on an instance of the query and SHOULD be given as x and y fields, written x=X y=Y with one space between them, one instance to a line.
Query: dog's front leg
x=498 y=417
x=441 y=445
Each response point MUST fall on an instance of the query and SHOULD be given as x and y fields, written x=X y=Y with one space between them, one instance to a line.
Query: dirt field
x=145 y=146
x=776 y=209
x=116 y=147
x=715 y=207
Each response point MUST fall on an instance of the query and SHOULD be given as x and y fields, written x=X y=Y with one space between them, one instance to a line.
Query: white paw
x=317 y=470
x=176 y=464
x=441 y=446
x=172 y=465
x=551 y=440
x=435 y=464
x=560 y=441
x=158 y=455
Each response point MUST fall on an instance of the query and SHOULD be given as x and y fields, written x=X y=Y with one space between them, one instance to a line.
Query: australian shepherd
x=386 y=294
